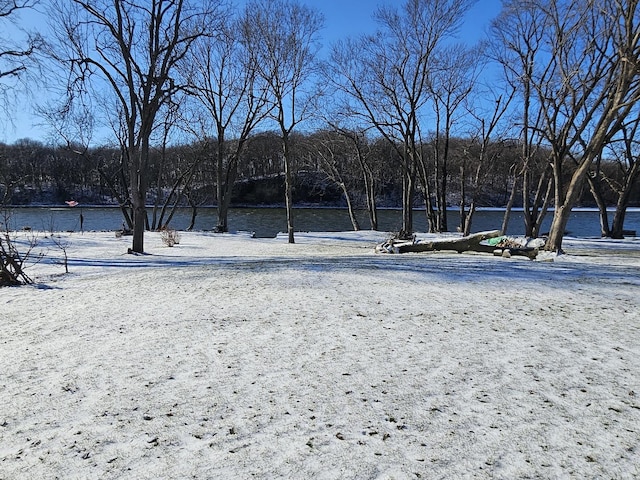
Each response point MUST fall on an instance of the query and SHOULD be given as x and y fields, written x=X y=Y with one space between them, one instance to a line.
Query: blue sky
x=353 y=17
x=343 y=18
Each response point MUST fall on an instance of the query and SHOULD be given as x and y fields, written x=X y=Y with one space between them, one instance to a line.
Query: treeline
x=330 y=169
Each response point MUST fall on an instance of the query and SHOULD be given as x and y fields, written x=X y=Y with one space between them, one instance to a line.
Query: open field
x=232 y=357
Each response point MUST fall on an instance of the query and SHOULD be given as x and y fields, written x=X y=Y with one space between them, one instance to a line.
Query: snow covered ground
x=232 y=357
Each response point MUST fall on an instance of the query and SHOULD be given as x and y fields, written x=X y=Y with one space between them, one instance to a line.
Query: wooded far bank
x=327 y=173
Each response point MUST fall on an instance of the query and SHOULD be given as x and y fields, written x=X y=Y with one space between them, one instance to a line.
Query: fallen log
x=458 y=244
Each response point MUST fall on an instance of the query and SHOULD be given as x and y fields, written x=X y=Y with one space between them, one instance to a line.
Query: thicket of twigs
x=13 y=257
x=170 y=237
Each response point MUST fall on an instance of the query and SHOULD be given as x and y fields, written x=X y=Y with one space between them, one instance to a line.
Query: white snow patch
x=232 y=357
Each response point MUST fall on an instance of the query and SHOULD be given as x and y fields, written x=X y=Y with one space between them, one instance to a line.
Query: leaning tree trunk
x=509 y=207
x=369 y=187
x=352 y=215
x=563 y=209
x=466 y=230
x=194 y=212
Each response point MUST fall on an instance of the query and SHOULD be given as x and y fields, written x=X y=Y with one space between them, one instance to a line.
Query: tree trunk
x=225 y=202
x=369 y=183
x=139 y=224
x=407 y=205
x=442 y=207
x=463 y=197
x=139 y=160
x=288 y=187
x=160 y=222
x=352 y=215
x=509 y=207
x=459 y=245
x=617 y=227
x=428 y=201
x=221 y=186
x=563 y=208
x=469 y=218
x=370 y=192
x=371 y=206
x=194 y=213
x=596 y=192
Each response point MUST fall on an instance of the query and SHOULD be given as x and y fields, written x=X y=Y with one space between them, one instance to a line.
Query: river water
x=268 y=222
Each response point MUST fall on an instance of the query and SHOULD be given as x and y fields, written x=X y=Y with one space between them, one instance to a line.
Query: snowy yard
x=232 y=357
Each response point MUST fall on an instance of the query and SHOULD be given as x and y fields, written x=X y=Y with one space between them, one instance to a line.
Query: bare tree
x=585 y=79
x=175 y=169
x=629 y=163
x=283 y=34
x=222 y=73
x=334 y=154
x=484 y=139
x=517 y=45
x=14 y=54
x=342 y=122
x=598 y=74
x=362 y=153
x=451 y=84
x=132 y=49
x=622 y=153
x=386 y=76
x=10 y=175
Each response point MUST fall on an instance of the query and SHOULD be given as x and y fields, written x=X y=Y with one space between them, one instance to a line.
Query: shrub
x=170 y=237
x=12 y=261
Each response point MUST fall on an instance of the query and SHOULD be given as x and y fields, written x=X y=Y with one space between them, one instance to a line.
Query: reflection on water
x=268 y=222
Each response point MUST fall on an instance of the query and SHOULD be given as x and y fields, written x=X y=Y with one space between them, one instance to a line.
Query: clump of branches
x=12 y=260
x=170 y=237
x=62 y=245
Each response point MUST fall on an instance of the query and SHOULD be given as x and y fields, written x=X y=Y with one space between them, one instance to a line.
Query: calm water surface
x=268 y=222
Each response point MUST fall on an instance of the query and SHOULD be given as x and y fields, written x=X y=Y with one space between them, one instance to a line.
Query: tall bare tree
x=222 y=73
x=629 y=164
x=451 y=84
x=334 y=156
x=14 y=54
x=517 y=42
x=362 y=153
x=283 y=34
x=174 y=167
x=598 y=73
x=586 y=80
x=12 y=67
x=386 y=77
x=484 y=138
x=622 y=153
x=132 y=49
